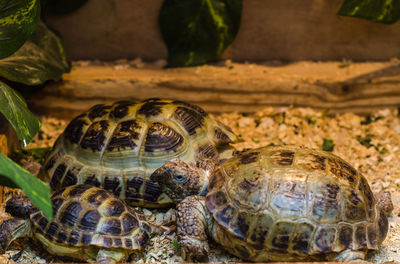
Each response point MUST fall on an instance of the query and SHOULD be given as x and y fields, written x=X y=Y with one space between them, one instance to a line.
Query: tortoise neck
x=204 y=189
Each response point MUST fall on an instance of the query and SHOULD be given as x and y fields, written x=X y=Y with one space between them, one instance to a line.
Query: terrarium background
x=287 y=53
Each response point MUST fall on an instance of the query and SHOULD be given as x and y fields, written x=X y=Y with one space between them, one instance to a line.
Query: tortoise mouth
x=171 y=194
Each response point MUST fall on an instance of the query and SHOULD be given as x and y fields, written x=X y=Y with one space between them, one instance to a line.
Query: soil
x=371 y=144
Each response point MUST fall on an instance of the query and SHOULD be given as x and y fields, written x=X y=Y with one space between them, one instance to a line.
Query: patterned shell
x=277 y=200
x=85 y=215
x=118 y=146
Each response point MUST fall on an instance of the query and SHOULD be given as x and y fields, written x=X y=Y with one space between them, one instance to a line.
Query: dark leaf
x=13 y=175
x=36 y=154
x=384 y=11
x=14 y=108
x=40 y=59
x=18 y=19
x=196 y=31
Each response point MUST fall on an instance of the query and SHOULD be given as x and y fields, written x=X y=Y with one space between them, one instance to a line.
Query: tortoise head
x=19 y=206
x=385 y=206
x=178 y=179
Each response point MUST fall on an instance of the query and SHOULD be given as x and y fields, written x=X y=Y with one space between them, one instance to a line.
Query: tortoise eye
x=180 y=178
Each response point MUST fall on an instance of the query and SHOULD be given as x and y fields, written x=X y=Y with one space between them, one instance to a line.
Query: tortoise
x=89 y=224
x=278 y=204
x=117 y=147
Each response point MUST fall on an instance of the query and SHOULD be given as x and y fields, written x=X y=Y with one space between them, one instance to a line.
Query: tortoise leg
x=349 y=255
x=111 y=256
x=12 y=229
x=192 y=228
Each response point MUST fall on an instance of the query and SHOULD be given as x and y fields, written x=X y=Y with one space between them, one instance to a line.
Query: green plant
x=384 y=11
x=30 y=54
x=197 y=31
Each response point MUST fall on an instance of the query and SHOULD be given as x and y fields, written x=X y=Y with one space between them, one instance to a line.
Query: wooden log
x=339 y=87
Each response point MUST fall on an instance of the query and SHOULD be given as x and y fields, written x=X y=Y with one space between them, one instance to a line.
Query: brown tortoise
x=89 y=224
x=278 y=204
x=117 y=147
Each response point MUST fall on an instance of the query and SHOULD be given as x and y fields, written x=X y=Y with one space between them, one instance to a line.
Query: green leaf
x=35 y=189
x=14 y=108
x=328 y=145
x=40 y=59
x=196 y=31
x=384 y=11
x=18 y=19
x=37 y=154
x=63 y=6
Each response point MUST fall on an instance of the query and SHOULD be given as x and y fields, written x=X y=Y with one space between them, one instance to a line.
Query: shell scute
x=95 y=136
x=115 y=208
x=343 y=171
x=361 y=236
x=289 y=199
x=282 y=157
x=112 y=183
x=61 y=236
x=111 y=227
x=325 y=239
x=90 y=220
x=76 y=128
x=354 y=206
x=86 y=239
x=152 y=108
x=70 y=178
x=98 y=111
x=240 y=226
x=301 y=241
x=190 y=119
x=163 y=138
x=97 y=197
x=120 y=109
x=312 y=162
x=281 y=235
x=73 y=238
x=70 y=213
x=52 y=230
x=125 y=136
x=129 y=223
x=58 y=174
x=191 y=106
x=345 y=235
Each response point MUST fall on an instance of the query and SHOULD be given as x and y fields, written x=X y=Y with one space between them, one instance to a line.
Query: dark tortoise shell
x=301 y=202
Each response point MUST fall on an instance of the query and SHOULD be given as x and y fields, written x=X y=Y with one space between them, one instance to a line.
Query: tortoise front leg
x=191 y=218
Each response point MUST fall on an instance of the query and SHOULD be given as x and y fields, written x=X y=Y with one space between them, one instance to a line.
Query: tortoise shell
x=118 y=146
x=299 y=202
x=84 y=216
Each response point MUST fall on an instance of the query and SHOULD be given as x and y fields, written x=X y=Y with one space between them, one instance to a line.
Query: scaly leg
x=192 y=225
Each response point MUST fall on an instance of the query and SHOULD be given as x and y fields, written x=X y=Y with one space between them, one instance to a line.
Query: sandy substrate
x=371 y=144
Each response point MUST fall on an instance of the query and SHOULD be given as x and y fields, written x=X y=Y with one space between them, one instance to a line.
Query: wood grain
x=355 y=87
